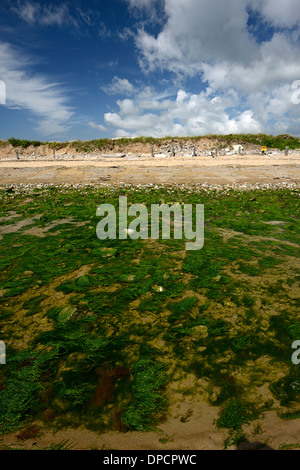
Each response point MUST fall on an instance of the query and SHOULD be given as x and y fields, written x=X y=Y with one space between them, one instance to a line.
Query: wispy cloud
x=125 y=34
x=88 y=17
x=46 y=15
x=153 y=8
x=37 y=13
x=45 y=99
x=98 y=127
x=114 y=62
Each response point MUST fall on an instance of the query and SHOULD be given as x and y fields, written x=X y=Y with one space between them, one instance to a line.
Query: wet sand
x=196 y=433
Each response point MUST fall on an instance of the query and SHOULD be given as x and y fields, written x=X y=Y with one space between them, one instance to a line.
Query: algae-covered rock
x=83 y=281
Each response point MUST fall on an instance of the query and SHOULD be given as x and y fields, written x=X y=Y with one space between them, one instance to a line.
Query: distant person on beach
x=263 y=150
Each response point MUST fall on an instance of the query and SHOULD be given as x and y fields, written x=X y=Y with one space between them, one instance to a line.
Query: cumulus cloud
x=186 y=114
x=119 y=86
x=279 y=13
x=276 y=62
x=46 y=100
x=199 y=33
x=244 y=84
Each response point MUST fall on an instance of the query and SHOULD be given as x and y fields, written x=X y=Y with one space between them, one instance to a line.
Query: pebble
x=13 y=189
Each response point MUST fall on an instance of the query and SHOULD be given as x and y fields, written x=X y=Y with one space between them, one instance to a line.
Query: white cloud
x=211 y=38
x=276 y=62
x=127 y=107
x=140 y=3
x=282 y=13
x=98 y=127
x=46 y=100
x=88 y=17
x=152 y=10
x=187 y=114
x=145 y=5
x=34 y=12
x=247 y=83
x=114 y=62
x=27 y=11
x=119 y=86
x=197 y=31
x=125 y=34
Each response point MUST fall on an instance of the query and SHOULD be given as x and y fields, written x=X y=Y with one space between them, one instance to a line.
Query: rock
x=67 y=313
x=199 y=330
x=295 y=386
x=158 y=288
x=107 y=252
x=237 y=148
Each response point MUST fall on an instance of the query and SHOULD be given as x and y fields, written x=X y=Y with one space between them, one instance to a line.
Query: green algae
x=147 y=308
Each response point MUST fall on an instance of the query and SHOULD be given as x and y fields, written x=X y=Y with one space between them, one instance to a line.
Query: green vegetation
x=234 y=415
x=23 y=143
x=147 y=401
x=98 y=332
x=278 y=142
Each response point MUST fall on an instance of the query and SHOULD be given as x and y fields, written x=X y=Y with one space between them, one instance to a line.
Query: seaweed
x=94 y=327
x=149 y=378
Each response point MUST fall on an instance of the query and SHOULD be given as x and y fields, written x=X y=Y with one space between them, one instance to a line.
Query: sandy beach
x=222 y=170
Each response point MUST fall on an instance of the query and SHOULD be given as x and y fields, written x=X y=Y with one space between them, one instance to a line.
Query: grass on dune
x=279 y=142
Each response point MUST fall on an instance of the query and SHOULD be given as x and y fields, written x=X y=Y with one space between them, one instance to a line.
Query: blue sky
x=111 y=68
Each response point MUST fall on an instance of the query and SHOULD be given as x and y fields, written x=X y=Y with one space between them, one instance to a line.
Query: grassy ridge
x=278 y=142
